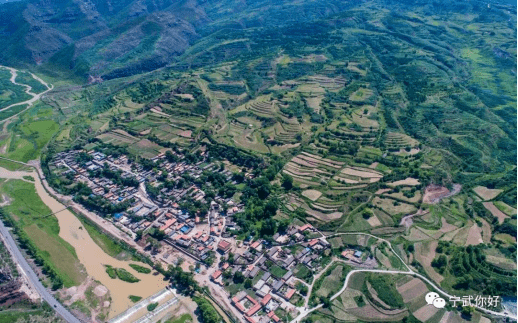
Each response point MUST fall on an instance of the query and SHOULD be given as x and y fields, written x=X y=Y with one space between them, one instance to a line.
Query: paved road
x=304 y=311
x=62 y=311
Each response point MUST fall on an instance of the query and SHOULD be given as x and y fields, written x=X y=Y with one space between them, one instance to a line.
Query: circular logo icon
x=430 y=297
x=439 y=302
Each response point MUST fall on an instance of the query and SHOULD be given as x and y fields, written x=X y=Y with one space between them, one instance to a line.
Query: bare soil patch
x=474 y=236
x=360 y=173
x=486 y=193
x=412 y=290
x=486 y=231
x=446 y=227
x=374 y=221
x=495 y=211
x=433 y=193
x=426 y=312
x=185 y=133
x=407 y=181
x=313 y=195
x=425 y=253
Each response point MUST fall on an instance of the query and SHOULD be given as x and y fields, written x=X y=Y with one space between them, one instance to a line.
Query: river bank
x=91 y=256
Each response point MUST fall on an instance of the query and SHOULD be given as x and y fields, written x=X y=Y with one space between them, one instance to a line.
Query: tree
x=326 y=302
x=238 y=277
x=248 y=283
x=467 y=311
x=268 y=227
x=287 y=181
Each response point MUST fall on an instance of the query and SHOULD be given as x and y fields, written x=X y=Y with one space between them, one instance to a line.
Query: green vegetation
x=19 y=313
x=329 y=283
x=359 y=301
x=152 y=306
x=277 y=271
x=12 y=166
x=126 y=276
x=140 y=269
x=332 y=120
x=185 y=318
x=134 y=298
x=26 y=78
x=470 y=271
x=107 y=244
x=111 y=271
x=28 y=139
x=384 y=287
x=207 y=312
x=39 y=234
x=10 y=93
x=121 y=273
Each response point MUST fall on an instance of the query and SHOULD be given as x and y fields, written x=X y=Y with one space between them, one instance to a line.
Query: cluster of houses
x=257 y=263
x=163 y=212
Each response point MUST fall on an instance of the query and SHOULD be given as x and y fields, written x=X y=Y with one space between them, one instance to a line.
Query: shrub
x=126 y=276
x=140 y=269
x=152 y=306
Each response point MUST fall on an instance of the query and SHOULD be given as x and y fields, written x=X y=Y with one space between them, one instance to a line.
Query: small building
x=216 y=274
x=266 y=299
x=273 y=316
x=224 y=246
x=289 y=294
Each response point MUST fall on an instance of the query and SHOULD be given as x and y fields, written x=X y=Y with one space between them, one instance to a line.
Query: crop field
x=485 y=193
x=505 y=208
x=491 y=207
x=393 y=207
x=28 y=139
x=425 y=253
x=405 y=182
x=118 y=138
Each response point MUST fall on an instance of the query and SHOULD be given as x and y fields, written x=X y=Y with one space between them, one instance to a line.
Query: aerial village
x=264 y=270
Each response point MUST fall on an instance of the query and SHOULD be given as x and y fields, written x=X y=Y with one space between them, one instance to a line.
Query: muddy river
x=91 y=255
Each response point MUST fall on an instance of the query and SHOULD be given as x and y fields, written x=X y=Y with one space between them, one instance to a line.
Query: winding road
x=8 y=239
x=28 y=90
x=304 y=311
x=31 y=275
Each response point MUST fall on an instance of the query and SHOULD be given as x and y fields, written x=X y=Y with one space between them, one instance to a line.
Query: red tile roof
x=251 y=299
x=313 y=242
x=255 y=244
x=254 y=309
x=290 y=293
x=167 y=224
x=216 y=274
x=305 y=227
x=223 y=245
x=266 y=299
x=239 y=307
x=249 y=319
x=273 y=316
